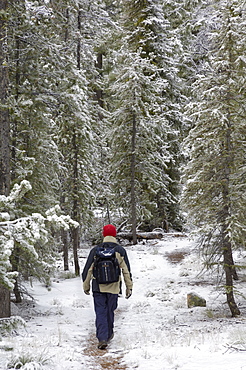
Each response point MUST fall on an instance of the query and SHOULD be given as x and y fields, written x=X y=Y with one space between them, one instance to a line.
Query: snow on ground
x=153 y=329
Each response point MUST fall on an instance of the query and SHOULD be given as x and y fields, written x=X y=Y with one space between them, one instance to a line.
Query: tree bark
x=133 y=180
x=4 y=137
x=5 y=302
x=65 y=249
x=75 y=233
x=79 y=42
x=4 y=112
x=229 y=266
x=14 y=259
x=229 y=278
x=75 y=211
x=14 y=126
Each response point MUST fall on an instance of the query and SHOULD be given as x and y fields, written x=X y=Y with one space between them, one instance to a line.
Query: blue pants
x=104 y=304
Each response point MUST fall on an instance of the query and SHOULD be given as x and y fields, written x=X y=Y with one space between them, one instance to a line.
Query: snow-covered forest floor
x=153 y=329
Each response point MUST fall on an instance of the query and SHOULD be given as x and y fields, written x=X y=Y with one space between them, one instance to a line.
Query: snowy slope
x=154 y=328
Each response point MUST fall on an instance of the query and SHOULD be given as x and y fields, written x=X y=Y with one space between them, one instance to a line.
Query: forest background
x=130 y=112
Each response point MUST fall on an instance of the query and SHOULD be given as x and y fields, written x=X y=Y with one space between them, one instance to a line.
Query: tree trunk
x=79 y=42
x=4 y=137
x=75 y=211
x=14 y=259
x=4 y=112
x=133 y=174
x=75 y=233
x=229 y=266
x=229 y=280
x=5 y=302
x=65 y=249
x=14 y=126
x=233 y=267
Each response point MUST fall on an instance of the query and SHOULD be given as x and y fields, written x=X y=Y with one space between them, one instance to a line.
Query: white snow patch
x=153 y=329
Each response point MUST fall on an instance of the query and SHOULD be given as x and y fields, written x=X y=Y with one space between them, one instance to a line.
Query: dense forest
x=123 y=111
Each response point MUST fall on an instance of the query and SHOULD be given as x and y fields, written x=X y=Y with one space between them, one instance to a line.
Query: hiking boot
x=102 y=345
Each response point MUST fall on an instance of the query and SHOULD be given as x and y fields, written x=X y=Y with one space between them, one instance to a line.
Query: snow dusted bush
x=16 y=194
x=58 y=220
x=7 y=205
x=25 y=242
x=8 y=325
x=27 y=361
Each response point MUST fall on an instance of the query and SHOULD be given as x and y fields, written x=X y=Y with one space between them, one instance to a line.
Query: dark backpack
x=106 y=268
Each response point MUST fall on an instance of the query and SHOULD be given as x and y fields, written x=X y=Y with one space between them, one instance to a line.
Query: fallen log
x=141 y=235
x=149 y=235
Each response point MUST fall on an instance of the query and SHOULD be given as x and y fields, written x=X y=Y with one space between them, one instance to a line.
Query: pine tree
x=79 y=113
x=102 y=18
x=33 y=99
x=215 y=175
x=141 y=104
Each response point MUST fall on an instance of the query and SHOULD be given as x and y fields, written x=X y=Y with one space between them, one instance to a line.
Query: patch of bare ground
x=176 y=256
x=104 y=359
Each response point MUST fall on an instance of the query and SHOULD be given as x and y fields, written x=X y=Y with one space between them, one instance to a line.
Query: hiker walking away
x=104 y=266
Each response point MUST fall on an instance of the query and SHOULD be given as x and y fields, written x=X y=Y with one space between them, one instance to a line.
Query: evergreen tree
x=142 y=103
x=34 y=56
x=51 y=105
x=103 y=20
x=215 y=175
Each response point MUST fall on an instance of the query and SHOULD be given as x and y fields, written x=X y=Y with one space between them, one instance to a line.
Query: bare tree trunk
x=75 y=211
x=4 y=137
x=14 y=259
x=14 y=126
x=4 y=112
x=5 y=302
x=229 y=266
x=133 y=174
x=229 y=280
x=233 y=267
x=65 y=249
x=75 y=233
x=79 y=42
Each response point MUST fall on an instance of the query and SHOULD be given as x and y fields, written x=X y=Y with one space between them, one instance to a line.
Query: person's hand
x=128 y=293
x=87 y=292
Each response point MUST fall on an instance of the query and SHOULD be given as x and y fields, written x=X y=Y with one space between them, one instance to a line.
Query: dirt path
x=103 y=359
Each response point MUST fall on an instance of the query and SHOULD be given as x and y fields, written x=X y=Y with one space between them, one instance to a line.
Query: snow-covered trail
x=158 y=327
x=154 y=328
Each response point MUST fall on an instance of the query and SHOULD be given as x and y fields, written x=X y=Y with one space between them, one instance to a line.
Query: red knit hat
x=109 y=230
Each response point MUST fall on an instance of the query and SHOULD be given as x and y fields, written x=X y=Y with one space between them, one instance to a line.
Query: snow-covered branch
x=26 y=232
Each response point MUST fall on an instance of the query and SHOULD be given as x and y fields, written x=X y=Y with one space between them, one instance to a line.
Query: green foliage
x=33 y=55
x=214 y=192
x=26 y=244
x=142 y=84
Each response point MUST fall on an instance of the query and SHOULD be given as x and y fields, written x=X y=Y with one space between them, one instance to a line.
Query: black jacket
x=114 y=288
